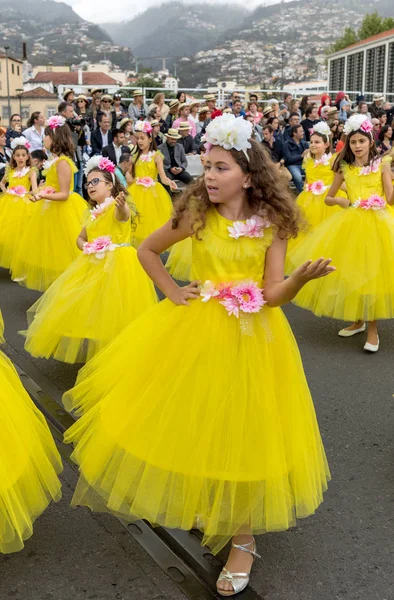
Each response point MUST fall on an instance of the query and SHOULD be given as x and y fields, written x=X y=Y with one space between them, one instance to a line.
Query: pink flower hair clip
x=366 y=126
x=100 y=162
x=56 y=121
x=106 y=165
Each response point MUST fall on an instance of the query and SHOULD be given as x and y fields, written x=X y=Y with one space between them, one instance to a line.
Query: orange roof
x=67 y=78
x=37 y=92
x=373 y=38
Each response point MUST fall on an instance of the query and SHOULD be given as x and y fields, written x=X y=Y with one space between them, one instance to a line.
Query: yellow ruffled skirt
x=187 y=421
x=15 y=213
x=361 y=246
x=88 y=305
x=49 y=242
x=29 y=462
x=155 y=207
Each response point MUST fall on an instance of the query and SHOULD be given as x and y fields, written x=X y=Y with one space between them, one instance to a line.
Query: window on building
x=337 y=74
x=17 y=70
x=51 y=110
x=5 y=114
x=25 y=112
x=13 y=68
x=390 y=72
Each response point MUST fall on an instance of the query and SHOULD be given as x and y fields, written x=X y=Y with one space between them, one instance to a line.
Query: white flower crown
x=358 y=122
x=321 y=128
x=20 y=141
x=229 y=132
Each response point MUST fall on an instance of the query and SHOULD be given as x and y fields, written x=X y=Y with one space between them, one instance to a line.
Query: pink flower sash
x=18 y=190
x=146 y=182
x=374 y=202
x=317 y=187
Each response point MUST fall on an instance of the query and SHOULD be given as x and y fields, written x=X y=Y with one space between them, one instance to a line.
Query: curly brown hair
x=13 y=164
x=269 y=195
x=62 y=141
x=116 y=189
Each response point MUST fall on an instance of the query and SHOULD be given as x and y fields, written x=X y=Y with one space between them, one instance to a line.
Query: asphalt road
x=344 y=552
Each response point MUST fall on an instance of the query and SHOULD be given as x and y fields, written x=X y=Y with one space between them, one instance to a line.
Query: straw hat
x=267 y=110
x=107 y=97
x=331 y=111
x=154 y=123
x=96 y=90
x=138 y=92
x=377 y=97
x=173 y=133
x=184 y=126
x=209 y=97
x=173 y=103
x=123 y=122
x=203 y=109
x=67 y=92
x=195 y=103
x=183 y=105
x=81 y=97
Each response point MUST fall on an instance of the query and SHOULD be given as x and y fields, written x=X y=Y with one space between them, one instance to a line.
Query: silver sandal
x=239 y=581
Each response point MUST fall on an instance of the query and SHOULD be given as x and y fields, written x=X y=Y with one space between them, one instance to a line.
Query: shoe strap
x=244 y=548
x=225 y=574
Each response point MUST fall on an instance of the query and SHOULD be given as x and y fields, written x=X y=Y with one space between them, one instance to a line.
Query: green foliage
x=372 y=24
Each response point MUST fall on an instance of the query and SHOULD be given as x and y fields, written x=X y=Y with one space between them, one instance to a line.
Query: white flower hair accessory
x=321 y=128
x=229 y=132
x=356 y=123
x=143 y=127
x=20 y=141
x=99 y=162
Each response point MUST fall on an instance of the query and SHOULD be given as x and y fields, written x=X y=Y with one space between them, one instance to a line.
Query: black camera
x=76 y=122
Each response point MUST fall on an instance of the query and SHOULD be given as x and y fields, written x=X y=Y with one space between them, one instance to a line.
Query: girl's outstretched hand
x=313 y=270
x=182 y=294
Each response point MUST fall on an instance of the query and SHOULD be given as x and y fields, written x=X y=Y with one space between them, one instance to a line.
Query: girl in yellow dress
x=151 y=199
x=15 y=205
x=214 y=436
x=29 y=460
x=359 y=239
x=319 y=177
x=104 y=289
x=47 y=245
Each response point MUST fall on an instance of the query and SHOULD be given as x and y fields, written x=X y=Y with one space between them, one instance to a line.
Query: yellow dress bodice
x=146 y=166
x=107 y=224
x=360 y=186
x=14 y=181
x=220 y=258
x=51 y=174
x=320 y=172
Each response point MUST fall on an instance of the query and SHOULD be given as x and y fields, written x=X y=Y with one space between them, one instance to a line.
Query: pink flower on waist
x=17 y=190
x=374 y=202
x=244 y=296
x=145 y=181
x=99 y=246
x=317 y=187
x=47 y=190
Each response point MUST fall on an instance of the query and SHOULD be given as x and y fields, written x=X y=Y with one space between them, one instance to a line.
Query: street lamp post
x=6 y=48
x=282 y=56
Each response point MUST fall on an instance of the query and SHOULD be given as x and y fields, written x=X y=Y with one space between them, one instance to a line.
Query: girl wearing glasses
x=47 y=244
x=104 y=289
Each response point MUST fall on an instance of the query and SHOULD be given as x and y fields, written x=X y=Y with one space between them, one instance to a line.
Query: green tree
x=349 y=37
x=372 y=24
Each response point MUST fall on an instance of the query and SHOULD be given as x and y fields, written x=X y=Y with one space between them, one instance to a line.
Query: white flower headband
x=102 y=163
x=229 y=132
x=356 y=123
x=20 y=141
x=142 y=127
x=321 y=128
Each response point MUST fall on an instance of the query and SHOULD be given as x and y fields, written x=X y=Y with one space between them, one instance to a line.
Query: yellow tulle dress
x=360 y=243
x=318 y=179
x=15 y=211
x=29 y=460
x=94 y=299
x=194 y=418
x=150 y=197
x=48 y=243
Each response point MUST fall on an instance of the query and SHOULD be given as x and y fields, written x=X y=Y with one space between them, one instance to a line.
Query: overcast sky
x=101 y=11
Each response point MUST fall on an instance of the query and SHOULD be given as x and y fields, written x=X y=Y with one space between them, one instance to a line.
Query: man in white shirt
x=101 y=136
x=35 y=132
x=115 y=150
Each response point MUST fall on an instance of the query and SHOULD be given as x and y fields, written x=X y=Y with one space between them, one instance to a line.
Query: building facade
x=366 y=67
